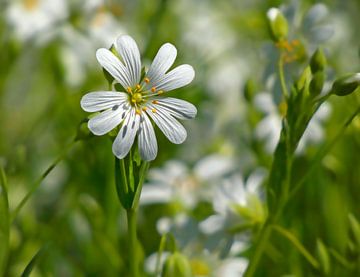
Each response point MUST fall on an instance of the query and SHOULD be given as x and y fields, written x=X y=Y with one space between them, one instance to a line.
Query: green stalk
x=266 y=230
x=38 y=182
x=132 y=236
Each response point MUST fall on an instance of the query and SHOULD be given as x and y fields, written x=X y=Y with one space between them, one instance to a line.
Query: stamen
x=138 y=112
x=129 y=90
x=144 y=109
x=153 y=89
x=138 y=87
x=160 y=91
x=155 y=102
x=146 y=80
x=153 y=110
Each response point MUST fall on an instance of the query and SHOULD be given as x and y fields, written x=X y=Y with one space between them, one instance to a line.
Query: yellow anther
x=138 y=112
x=160 y=91
x=155 y=102
x=144 y=109
x=153 y=110
x=138 y=86
x=153 y=89
x=146 y=80
x=129 y=89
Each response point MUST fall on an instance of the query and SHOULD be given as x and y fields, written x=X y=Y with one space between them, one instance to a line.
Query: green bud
x=249 y=90
x=346 y=84
x=318 y=61
x=317 y=83
x=323 y=256
x=177 y=265
x=304 y=79
x=354 y=230
x=83 y=131
x=278 y=24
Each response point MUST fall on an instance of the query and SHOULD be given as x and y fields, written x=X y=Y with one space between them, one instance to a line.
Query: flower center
x=136 y=98
x=30 y=4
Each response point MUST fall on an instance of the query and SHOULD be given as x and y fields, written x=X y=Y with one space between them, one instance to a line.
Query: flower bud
x=249 y=90
x=177 y=265
x=318 y=61
x=317 y=83
x=304 y=79
x=278 y=24
x=346 y=85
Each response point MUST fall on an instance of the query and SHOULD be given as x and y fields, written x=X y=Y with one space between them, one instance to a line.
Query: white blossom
x=142 y=102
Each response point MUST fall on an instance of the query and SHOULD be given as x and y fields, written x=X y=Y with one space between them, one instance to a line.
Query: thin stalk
x=265 y=232
x=282 y=77
x=323 y=151
x=132 y=236
x=260 y=247
x=38 y=182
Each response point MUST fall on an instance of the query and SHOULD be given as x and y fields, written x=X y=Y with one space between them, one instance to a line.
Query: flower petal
x=162 y=62
x=129 y=51
x=178 y=108
x=171 y=128
x=176 y=78
x=125 y=138
x=102 y=100
x=108 y=120
x=147 y=139
x=114 y=66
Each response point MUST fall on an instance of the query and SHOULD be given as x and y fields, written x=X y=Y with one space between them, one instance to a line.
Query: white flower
x=236 y=203
x=35 y=18
x=175 y=182
x=142 y=101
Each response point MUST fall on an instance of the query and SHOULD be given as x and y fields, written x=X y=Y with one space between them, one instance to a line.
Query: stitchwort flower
x=143 y=101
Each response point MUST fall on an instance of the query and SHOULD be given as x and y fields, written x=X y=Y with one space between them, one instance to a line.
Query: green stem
x=259 y=249
x=265 y=232
x=322 y=152
x=38 y=182
x=132 y=236
x=282 y=77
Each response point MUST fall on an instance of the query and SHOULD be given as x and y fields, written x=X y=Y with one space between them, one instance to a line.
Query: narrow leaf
x=288 y=235
x=4 y=222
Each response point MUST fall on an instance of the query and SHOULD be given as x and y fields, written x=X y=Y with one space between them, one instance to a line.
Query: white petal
x=212 y=224
x=102 y=100
x=176 y=78
x=129 y=51
x=171 y=128
x=113 y=65
x=178 y=108
x=107 y=120
x=156 y=193
x=125 y=138
x=162 y=62
x=147 y=139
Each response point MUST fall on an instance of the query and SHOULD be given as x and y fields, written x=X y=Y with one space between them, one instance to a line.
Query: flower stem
x=132 y=236
x=282 y=76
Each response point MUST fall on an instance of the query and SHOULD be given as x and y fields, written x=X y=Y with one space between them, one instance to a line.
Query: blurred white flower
x=132 y=109
x=269 y=128
x=95 y=26
x=237 y=204
x=175 y=182
x=35 y=19
x=203 y=260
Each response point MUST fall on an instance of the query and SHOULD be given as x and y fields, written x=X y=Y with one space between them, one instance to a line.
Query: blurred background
x=47 y=63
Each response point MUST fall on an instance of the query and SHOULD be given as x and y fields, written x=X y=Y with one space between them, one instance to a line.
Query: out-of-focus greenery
x=73 y=219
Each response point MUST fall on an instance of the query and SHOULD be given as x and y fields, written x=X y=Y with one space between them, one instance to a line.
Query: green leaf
x=29 y=268
x=295 y=242
x=122 y=183
x=4 y=222
x=323 y=255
